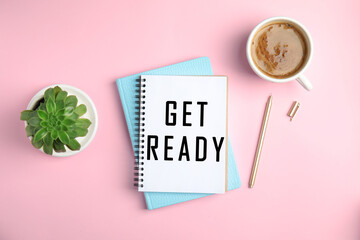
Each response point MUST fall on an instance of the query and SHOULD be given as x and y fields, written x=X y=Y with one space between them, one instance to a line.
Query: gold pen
x=260 y=142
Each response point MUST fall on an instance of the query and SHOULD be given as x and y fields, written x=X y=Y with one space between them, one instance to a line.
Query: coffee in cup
x=279 y=49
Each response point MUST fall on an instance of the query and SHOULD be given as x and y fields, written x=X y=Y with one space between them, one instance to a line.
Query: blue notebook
x=127 y=88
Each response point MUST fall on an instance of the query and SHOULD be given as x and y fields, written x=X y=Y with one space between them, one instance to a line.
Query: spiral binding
x=139 y=129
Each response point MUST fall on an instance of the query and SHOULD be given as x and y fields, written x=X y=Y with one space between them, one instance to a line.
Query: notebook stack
x=177 y=120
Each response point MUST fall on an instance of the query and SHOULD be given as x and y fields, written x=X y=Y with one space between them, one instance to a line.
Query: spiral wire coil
x=140 y=132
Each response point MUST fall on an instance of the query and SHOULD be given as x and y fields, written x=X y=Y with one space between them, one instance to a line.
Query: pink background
x=308 y=185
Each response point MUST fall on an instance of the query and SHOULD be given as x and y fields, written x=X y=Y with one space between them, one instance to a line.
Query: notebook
x=182 y=134
x=127 y=86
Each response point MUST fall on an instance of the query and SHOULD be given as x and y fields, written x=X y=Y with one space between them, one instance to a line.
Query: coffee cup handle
x=304 y=82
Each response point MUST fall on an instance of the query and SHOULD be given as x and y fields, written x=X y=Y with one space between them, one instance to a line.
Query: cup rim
x=255 y=30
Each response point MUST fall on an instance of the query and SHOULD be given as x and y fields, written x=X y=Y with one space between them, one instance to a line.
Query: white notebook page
x=182 y=164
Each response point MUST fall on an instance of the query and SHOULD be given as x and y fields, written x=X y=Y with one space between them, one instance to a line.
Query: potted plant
x=60 y=120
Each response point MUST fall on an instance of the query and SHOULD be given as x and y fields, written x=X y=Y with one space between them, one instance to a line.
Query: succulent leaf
x=73 y=144
x=48 y=140
x=42 y=114
x=37 y=144
x=57 y=89
x=54 y=134
x=59 y=146
x=68 y=122
x=72 y=133
x=60 y=104
x=42 y=106
x=61 y=96
x=48 y=149
x=43 y=124
x=83 y=123
x=25 y=115
x=73 y=116
x=81 y=132
x=40 y=134
x=34 y=121
x=50 y=106
x=68 y=110
x=64 y=137
x=80 y=110
x=71 y=101
x=30 y=130
x=34 y=114
x=37 y=129
x=60 y=112
x=49 y=93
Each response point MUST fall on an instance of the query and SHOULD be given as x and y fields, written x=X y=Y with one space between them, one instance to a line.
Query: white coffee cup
x=299 y=75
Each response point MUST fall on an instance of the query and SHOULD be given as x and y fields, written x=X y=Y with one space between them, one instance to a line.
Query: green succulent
x=55 y=122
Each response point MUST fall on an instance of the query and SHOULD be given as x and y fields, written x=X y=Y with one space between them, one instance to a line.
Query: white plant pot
x=90 y=114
